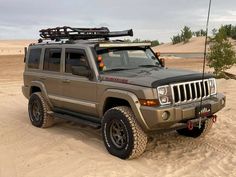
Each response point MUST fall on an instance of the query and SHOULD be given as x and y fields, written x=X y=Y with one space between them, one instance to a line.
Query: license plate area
x=203 y=111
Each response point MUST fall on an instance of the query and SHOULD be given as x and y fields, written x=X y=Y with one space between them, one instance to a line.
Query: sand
x=14 y=47
x=71 y=150
x=195 y=45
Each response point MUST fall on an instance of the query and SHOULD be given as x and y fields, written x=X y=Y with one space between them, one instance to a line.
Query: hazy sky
x=150 y=19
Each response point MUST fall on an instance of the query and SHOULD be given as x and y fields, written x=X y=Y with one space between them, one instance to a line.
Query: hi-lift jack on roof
x=70 y=33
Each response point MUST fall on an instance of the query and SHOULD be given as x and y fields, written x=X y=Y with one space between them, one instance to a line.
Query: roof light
x=99 y=58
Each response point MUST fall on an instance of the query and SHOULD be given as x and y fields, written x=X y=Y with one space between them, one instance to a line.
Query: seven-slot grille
x=190 y=91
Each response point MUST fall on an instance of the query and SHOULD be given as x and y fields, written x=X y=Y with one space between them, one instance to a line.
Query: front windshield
x=127 y=58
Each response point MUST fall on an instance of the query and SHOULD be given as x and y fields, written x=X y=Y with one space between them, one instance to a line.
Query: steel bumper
x=178 y=113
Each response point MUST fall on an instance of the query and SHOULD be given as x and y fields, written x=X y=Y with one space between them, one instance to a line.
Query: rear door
x=79 y=93
x=51 y=74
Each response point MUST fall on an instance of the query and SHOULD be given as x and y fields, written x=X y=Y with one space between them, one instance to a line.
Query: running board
x=79 y=120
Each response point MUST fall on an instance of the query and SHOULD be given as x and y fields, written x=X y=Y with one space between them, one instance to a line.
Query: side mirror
x=81 y=71
x=162 y=62
x=25 y=49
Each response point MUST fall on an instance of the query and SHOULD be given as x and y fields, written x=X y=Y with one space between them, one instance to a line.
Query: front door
x=79 y=93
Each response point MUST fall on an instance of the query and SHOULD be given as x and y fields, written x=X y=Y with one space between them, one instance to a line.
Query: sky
x=150 y=19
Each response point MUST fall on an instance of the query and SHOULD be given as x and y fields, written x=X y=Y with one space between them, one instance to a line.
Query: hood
x=152 y=77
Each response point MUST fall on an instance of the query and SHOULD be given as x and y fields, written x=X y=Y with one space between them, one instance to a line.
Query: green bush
x=186 y=34
x=230 y=30
x=155 y=43
x=222 y=55
x=199 y=33
x=176 y=39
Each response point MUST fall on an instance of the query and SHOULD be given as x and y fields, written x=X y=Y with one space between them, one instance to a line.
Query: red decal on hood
x=114 y=79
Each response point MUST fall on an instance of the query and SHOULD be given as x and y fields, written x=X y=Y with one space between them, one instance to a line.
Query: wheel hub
x=36 y=111
x=118 y=134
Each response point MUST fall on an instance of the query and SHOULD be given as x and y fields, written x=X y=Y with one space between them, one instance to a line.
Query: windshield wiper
x=149 y=66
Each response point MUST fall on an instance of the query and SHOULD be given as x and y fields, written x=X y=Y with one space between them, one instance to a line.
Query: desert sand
x=14 y=47
x=72 y=150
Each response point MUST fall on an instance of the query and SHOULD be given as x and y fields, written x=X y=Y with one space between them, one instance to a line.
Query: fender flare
x=131 y=98
x=43 y=90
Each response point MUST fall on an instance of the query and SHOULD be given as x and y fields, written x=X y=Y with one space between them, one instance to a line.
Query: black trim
x=185 y=78
x=70 y=33
x=77 y=117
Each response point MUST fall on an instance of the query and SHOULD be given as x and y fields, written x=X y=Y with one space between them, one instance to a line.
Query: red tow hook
x=190 y=125
x=214 y=118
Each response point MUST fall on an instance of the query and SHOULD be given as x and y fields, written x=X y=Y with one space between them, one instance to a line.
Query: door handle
x=66 y=81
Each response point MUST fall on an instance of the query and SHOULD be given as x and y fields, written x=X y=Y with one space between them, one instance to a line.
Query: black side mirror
x=25 y=49
x=162 y=62
x=81 y=71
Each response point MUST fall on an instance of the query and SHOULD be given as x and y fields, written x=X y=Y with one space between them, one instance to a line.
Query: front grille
x=190 y=91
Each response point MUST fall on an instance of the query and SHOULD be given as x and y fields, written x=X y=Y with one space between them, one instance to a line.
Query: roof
x=98 y=43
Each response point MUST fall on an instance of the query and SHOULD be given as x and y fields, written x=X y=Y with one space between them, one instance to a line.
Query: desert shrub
x=233 y=32
x=221 y=55
x=176 y=39
x=186 y=34
x=199 y=33
x=155 y=43
x=230 y=30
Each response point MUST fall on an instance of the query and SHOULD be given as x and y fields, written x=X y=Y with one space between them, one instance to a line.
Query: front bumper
x=178 y=113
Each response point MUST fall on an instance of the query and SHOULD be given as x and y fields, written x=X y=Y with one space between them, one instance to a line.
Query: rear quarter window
x=34 y=58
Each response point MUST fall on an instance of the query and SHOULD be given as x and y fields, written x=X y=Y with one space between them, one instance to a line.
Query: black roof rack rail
x=70 y=33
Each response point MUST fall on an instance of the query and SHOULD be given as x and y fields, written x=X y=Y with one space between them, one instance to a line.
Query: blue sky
x=150 y=19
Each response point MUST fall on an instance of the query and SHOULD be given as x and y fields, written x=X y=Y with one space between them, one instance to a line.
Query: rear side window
x=75 y=57
x=52 y=59
x=34 y=58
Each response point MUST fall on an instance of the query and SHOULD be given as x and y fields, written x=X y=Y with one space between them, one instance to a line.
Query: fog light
x=165 y=115
x=164 y=99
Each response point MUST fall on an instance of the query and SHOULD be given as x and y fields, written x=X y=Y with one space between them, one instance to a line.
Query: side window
x=52 y=60
x=34 y=58
x=75 y=57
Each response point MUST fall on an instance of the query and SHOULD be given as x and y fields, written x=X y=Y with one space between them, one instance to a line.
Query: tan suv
x=121 y=87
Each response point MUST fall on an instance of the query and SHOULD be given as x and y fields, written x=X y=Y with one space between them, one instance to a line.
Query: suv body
x=73 y=83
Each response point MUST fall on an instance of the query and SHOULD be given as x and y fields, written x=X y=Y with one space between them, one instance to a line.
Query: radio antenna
x=204 y=60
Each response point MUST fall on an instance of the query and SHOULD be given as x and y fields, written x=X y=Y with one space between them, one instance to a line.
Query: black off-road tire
x=196 y=132
x=39 y=117
x=136 y=140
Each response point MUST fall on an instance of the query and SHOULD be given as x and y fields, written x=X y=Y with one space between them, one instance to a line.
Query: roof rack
x=70 y=33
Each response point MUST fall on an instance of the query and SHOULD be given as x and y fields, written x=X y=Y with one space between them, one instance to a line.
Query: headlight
x=163 y=94
x=162 y=90
x=212 y=86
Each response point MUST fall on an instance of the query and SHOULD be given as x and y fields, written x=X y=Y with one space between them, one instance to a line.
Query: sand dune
x=195 y=45
x=72 y=150
x=14 y=47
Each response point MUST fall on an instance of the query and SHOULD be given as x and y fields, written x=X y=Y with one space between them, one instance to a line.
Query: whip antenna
x=204 y=60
